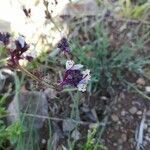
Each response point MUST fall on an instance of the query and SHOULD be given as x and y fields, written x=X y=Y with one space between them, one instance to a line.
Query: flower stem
x=35 y=77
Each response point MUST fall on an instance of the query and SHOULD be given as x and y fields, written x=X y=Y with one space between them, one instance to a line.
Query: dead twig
x=49 y=118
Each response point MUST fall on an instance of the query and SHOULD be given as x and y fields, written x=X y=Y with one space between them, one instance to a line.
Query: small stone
x=133 y=110
x=68 y=125
x=120 y=141
x=139 y=113
x=123 y=27
x=148 y=130
x=145 y=143
x=145 y=126
x=120 y=147
x=43 y=141
x=114 y=118
x=147 y=137
x=141 y=81
x=147 y=89
x=148 y=113
x=50 y=93
x=124 y=137
x=115 y=144
x=76 y=135
x=123 y=113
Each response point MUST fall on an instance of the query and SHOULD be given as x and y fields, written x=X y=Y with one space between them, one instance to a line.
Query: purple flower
x=16 y=50
x=4 y=38
x=63 y=45
x=75 y=77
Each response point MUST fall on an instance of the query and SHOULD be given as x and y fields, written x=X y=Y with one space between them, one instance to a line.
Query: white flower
x=82 y=87
x=76 y=77
x=86 y=75
x=70 y=65
x=21 y=40
x=83 y=83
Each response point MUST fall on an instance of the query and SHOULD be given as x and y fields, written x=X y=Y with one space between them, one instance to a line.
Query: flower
x=75 y=77
x=16 y=49
x=63 y=45
x=4 y=38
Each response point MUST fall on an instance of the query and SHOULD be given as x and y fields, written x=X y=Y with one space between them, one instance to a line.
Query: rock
x=123 y=113
x=148 y=130
x=4 y=26
x=68 y=125
x=124 y=137
x=145 y=126
x=141 y=81
x=114 y=118
x=133 y=110
x=34 y=107
x=139 y=113
x=120 y=141
x=43 y=141
x=123 y=27
x=147 y=89
x=76 y=135
x=148 y=113
x=147 y=138
x=79 y=9
x=50 y=93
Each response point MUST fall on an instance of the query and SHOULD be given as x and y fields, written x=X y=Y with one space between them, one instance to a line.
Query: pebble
x=124 y=137
x=133 y=110
x=139 y=113
x=114 y=118
x=76 y=135
x=148 y=130
x=123 y=113
x=141 y=81
x=144 y=143
x=147 y=89
x=145 y=126
x=148 y=113
x=43 y=141
x=147 y=138
x=120 y=141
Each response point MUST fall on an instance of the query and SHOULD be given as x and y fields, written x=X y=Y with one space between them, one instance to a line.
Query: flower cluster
x=16 y=49
x=4 y=38
x=75 y=77
x=63 y=45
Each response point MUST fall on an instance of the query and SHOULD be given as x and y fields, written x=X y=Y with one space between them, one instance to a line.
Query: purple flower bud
x=16 y=52
x=29 y=58
x=63 y=45
x=4 y=38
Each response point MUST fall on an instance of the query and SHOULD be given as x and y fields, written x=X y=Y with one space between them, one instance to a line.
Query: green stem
x=140 y=92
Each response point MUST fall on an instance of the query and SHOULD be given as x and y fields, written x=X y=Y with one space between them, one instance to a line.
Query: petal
x=81 y=87
x=69 y=64
x=21 y=41
x=86 y=72
x=86 y=76
x=77 y=67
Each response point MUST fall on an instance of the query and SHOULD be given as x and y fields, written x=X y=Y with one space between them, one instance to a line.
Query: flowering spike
x=75 y=77
x=16 y=49
x=63 y=45
x=4 y=38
